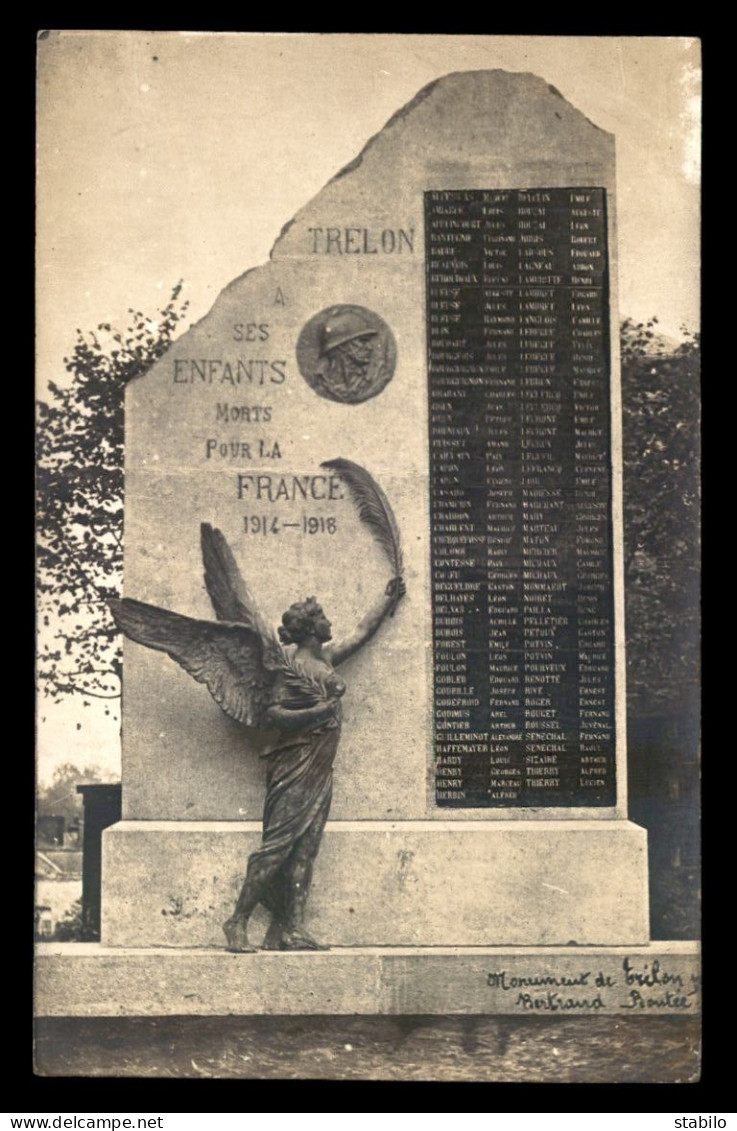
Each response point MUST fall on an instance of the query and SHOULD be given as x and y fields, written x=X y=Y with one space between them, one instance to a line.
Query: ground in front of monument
x=423 y=1048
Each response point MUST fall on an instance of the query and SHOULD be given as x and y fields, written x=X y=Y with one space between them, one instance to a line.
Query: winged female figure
x=287 y=684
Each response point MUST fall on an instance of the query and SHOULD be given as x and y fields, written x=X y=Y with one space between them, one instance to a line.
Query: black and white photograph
x=367 y=544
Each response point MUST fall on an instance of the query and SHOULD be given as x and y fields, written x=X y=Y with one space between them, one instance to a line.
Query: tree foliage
x=80 y=503
x=660 y=408
x=60 y=797
x=71 y=926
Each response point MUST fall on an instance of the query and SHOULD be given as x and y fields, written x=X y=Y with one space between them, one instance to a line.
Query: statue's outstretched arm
x=369 y=624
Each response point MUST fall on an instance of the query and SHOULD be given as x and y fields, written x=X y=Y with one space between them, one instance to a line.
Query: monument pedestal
x=390 y=883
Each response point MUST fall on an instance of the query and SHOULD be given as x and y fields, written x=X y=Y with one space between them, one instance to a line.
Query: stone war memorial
x=406 y=429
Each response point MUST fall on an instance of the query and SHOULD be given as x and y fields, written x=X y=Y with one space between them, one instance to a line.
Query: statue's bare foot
x=272 y=941
x=299 y=940
x=236 y=932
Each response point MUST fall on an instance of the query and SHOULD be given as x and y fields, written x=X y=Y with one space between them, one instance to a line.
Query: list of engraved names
x=518 y=362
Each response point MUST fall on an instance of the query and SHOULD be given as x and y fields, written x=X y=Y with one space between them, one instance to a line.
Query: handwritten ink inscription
x=657 y=987
x=632 y=983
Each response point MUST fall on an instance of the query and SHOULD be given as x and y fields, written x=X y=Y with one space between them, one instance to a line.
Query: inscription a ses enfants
x=234 y=371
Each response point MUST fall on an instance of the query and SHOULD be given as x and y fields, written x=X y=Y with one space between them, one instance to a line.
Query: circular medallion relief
x=346 y=353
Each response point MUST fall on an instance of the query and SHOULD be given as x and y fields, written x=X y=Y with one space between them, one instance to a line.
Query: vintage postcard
x=367 y=557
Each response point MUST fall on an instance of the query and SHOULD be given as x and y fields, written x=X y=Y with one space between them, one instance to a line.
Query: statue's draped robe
x=299 y=790
x=299 y=786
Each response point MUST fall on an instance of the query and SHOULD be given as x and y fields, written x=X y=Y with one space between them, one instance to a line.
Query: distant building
x=73 y=834
x=50 y=831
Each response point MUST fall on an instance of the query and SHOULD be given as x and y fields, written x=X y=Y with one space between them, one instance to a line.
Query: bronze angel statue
x=287 y=684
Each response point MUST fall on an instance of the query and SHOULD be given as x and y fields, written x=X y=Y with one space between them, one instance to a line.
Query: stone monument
x=443 y=313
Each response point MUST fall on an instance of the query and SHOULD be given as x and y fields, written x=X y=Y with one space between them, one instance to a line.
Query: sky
x=170 y=155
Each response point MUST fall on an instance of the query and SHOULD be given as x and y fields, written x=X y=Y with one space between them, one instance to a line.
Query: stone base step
x=90 y=980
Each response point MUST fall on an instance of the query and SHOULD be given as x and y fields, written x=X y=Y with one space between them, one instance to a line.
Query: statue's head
x=304 y=619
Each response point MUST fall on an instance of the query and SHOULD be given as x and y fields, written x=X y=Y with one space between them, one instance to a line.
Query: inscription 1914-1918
x=518 y=360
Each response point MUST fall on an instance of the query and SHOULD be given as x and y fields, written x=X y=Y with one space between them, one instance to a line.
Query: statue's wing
x=231 y=597
x=228 y=658
x=228 y=591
